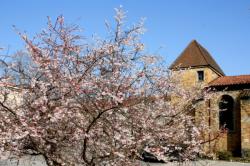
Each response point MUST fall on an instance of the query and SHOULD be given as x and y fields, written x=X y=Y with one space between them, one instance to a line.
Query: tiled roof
x=196 y=56
x=231 y=80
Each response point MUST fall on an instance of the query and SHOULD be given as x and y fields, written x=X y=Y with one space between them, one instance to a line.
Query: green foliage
x=245 y=156
x=246 y=153
x=224 y=155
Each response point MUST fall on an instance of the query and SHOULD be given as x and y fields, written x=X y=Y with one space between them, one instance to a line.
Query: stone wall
x=189 y=77
x=245 y=123
x=236 y=140
x=230 y=141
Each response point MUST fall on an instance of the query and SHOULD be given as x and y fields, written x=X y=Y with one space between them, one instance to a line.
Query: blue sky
x=221 y=26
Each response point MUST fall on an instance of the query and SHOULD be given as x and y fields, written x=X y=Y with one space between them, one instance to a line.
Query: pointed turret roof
x=196 y=56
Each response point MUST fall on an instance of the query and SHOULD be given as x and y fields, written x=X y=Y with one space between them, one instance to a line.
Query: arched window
x=226 y=106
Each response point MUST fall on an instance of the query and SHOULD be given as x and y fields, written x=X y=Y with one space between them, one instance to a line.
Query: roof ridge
x=200 y=47
x=239 y=75
x=195 y=55
x=180 y=55
x=205 y=55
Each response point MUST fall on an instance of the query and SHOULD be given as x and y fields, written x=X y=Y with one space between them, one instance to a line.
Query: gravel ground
x=199 y=163
x=39 y=161
x=25 y=161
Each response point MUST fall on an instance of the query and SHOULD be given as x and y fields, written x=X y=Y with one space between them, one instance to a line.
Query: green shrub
x=224 y=155
x=246 y=153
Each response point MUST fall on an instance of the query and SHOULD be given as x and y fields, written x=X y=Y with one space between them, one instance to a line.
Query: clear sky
x=221 y=26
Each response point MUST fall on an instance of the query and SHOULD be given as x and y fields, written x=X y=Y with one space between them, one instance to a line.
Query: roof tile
x=230 y=80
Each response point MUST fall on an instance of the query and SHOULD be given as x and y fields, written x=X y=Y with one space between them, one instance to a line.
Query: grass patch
x=227 y=156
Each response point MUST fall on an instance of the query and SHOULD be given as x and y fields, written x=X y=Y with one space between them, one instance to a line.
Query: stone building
x=229 y=104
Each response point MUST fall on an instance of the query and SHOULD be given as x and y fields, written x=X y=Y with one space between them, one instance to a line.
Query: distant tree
x=93 y=103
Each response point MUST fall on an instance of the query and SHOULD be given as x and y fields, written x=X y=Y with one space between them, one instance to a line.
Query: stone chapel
x=229 y=104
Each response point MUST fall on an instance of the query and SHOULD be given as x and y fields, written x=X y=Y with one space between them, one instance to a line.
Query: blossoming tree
x=100 y=102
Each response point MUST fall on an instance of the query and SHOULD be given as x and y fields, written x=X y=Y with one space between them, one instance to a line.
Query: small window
x=200 y=75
